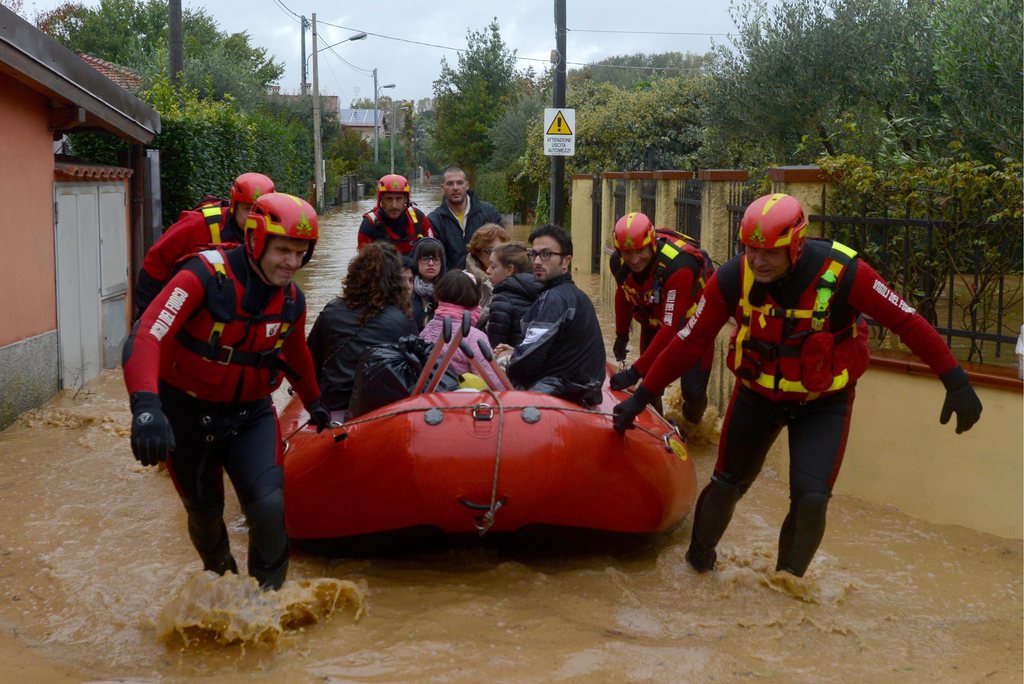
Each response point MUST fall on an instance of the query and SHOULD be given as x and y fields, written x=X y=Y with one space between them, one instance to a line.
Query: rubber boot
x=209 y=536
x=268 y=540
x=693 y=411
x=714 y=511
x=801 y=533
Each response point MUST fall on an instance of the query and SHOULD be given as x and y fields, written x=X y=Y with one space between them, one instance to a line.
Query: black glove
x=318 y=415
x=619 y=348
x=152 y=436
x=624 y=379
x=960 y=399
x=625 y=412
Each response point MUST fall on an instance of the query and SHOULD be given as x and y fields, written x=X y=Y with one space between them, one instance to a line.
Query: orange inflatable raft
x=450 y=463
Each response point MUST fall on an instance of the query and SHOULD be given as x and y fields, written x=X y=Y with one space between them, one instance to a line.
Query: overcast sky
x=527 y=26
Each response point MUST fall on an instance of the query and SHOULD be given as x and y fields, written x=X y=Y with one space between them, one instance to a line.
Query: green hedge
x=205 y=144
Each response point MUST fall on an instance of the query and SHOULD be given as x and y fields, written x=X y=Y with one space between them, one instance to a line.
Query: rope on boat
x=487 y=521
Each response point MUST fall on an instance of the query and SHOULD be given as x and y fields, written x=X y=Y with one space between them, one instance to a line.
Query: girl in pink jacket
x=457 y=292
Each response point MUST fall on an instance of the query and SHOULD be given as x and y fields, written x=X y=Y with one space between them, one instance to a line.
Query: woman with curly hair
x=373 y=309
x=483 y=242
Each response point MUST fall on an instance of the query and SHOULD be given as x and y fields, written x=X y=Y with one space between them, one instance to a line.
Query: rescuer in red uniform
x=213 y=222
x=660 y=278
x=394 y=219
x=200 y=368
x=799 y=347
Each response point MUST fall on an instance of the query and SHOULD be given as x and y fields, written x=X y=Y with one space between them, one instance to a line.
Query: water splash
x=234 y=610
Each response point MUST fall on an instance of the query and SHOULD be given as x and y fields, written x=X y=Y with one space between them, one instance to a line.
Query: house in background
x=361 y=121
x=71 y=228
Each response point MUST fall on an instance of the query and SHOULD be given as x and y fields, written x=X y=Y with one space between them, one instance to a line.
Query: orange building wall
x=27 y=276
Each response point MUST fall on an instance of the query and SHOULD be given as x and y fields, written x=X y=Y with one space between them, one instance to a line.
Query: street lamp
x=376 y=93
x=305 y=66
x=318 y=155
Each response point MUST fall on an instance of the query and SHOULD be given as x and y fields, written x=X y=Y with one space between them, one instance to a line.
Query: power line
x=647 y=33
x=523 y=59
x=288 y=10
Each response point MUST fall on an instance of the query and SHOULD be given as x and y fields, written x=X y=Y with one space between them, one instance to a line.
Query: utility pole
x=558 y=162
x=394 y=127
x=177 y=41
x=317 y=152
x=305 y=25
x=375 y=115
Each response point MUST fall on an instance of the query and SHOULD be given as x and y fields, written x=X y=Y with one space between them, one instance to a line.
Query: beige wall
x=899 y=454
x=27 y=278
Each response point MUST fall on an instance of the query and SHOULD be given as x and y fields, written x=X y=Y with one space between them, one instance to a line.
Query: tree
x=469 y=98
x=134 y=33
x=896 y=79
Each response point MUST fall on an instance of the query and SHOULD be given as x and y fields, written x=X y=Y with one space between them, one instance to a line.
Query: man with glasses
x=460 y=215
x=562 y=352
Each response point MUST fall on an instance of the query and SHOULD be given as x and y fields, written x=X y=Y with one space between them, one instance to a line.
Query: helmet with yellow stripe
x=773 y=221
x=279 y=215
x=248 y=188
x=393 y=182
x=634 y=231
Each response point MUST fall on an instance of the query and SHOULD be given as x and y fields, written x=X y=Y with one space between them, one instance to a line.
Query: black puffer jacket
x=562 y=339
x=337 y=341
x=448 y=230
x=511 y=298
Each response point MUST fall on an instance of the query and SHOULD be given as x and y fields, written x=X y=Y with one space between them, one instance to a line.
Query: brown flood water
x=93 y=548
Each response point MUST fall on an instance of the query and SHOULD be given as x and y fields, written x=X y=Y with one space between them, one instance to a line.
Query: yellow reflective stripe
x=218 y=328
x=741 y=333
x=768 y=382
x=843 y=249
x=281 y=335
x=691 y=310
x=669 y=250
x=210 y=213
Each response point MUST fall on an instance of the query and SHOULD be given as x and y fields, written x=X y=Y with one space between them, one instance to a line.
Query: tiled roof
x=80 y=171
x=122 y=76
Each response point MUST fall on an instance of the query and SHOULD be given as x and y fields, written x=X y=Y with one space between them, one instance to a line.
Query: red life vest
x=403 y=243
x=795 y=354
x=223 y=353
x=646 y=296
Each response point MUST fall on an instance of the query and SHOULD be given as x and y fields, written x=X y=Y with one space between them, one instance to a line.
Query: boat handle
x=482 y=507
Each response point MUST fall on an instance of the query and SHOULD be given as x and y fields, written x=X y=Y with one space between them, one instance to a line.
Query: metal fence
x=619 y=193
x=741 y=194
x=964 y=277
x=648 y=197
x=688 y=200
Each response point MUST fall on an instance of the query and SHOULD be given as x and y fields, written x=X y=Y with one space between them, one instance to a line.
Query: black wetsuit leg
x=252 y=463
x=242 y=439
x=752 y=423
x=818 y=432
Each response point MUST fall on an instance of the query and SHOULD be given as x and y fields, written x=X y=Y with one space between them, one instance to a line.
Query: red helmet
x=634 y=231
x=282 y=215
x=249 y=187
x=393 y=183
x=773 y=221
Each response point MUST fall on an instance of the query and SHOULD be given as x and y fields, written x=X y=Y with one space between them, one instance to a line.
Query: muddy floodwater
x=95 y=559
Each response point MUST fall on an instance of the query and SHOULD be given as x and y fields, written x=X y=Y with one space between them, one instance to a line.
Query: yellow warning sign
x=559 y=126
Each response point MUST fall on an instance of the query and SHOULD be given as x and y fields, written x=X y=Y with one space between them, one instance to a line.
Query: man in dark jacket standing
x=459 y=215
x=562 y=352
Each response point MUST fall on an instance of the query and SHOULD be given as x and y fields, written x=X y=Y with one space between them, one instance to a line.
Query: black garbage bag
x=585 y=392
x=387 y=373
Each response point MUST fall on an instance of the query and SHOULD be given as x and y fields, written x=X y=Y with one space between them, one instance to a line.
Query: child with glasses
x=428 y=266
